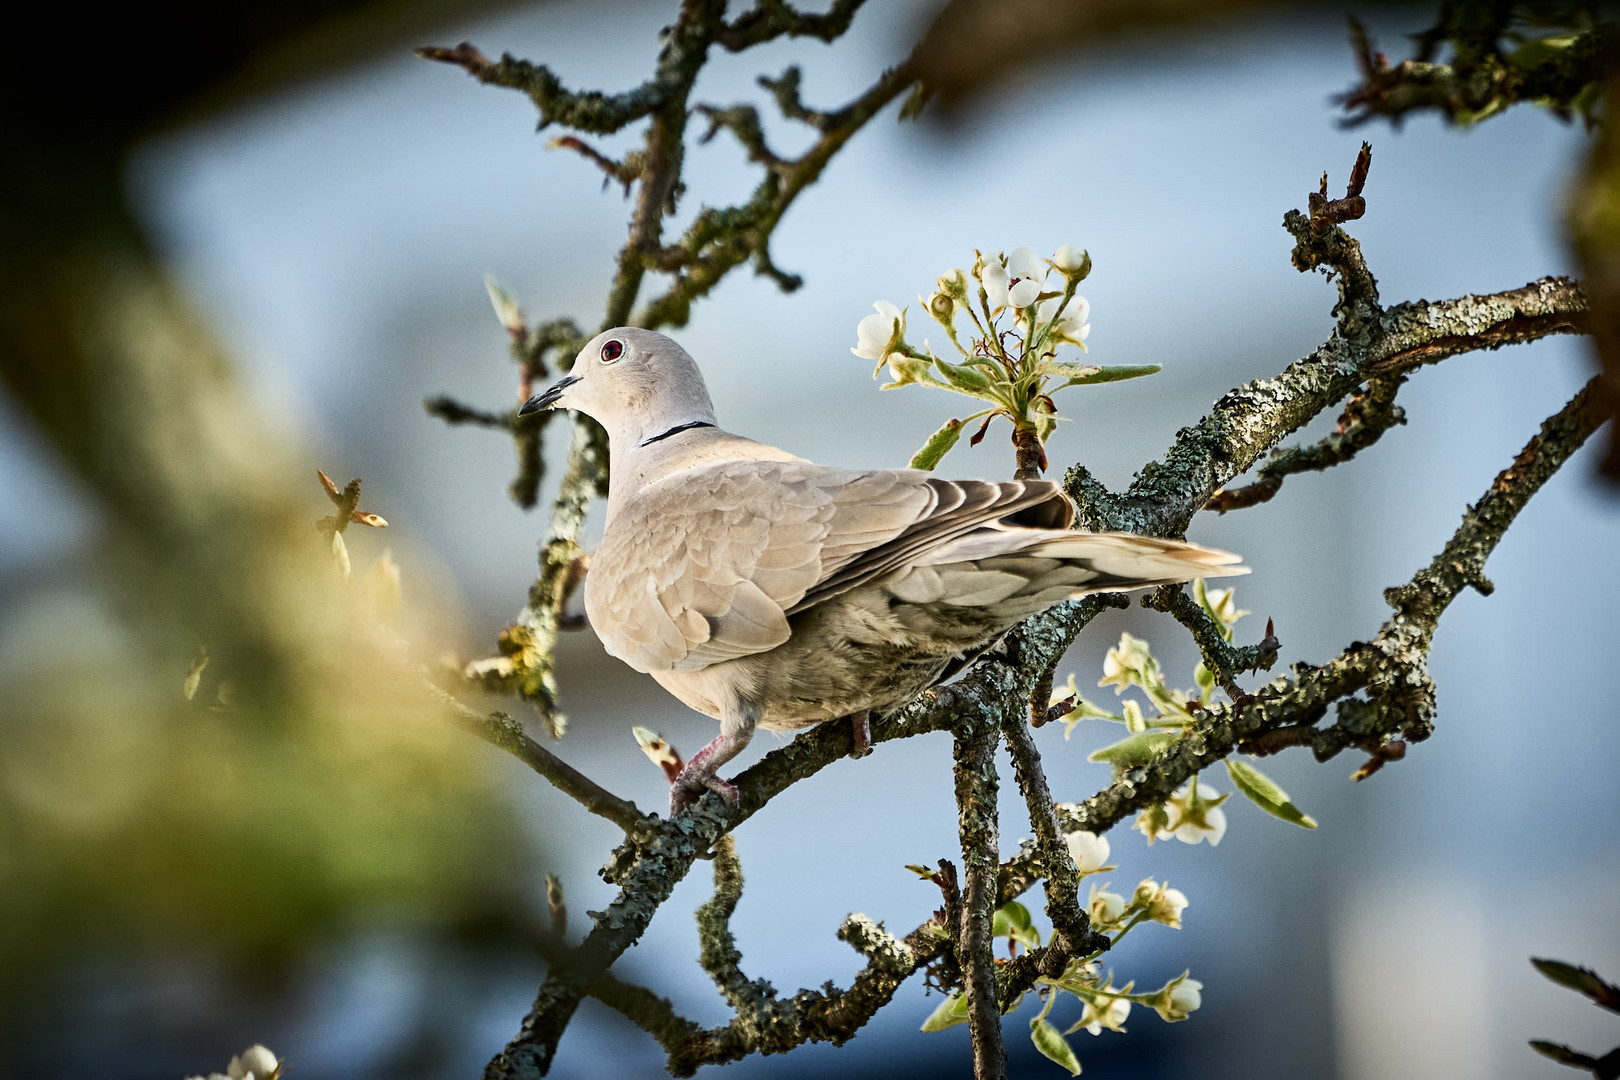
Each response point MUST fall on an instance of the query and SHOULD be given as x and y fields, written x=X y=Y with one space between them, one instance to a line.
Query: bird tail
x=1116 y=560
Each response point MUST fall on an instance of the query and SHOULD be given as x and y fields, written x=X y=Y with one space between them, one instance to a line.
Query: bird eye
x=611 y=351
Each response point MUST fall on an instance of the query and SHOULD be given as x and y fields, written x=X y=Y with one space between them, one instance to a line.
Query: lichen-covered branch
x=976 y=786
x=1369 y=413
x=1069 y=922
x=1248 y=421
x=1223 y=659
x=1391 y=668
x=1556 y=70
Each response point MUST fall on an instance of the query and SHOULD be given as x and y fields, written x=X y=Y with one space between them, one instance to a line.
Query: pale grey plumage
x=759 y=588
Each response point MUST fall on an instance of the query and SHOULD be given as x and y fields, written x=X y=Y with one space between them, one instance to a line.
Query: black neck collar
x=676 y=430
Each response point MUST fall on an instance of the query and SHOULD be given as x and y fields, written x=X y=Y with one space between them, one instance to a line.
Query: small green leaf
x=1012 y=921
x=967 y=378
x=1053 y=1045
x=1068 y=371
x=1115 y=374
x=938 y=444
x=1135 y=750
x=952 y=1011
x=1263 y=791
x=921 y=871
x=1581 y=980
x=1562 y=1054
x=1205 y=679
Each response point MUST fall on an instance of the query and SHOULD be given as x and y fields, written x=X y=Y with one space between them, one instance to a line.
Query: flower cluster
x=1193 y=814
x=1019 y=316
x=254 y=1063
x=1103 y=1005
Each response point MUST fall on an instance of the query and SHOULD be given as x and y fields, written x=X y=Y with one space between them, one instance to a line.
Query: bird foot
x=687 y=789
x=861 y=723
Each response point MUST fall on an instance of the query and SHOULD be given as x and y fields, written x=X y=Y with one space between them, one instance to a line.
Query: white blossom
x=1024 y=263
x=996 y=282
x=1015 y=282
x=254 y=1063
x=1105 y=1012
x=1211 y=828
x=1106 y=908
x=1075 y=322
x=1195 y=815
x=1180 y=997
x=874 y=333
x=1088 y=850
x=1162 y=903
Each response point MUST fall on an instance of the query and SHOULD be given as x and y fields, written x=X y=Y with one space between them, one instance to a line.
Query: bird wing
x=705 y=565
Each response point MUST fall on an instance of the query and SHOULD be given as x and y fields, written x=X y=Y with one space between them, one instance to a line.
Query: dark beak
x=547 y=398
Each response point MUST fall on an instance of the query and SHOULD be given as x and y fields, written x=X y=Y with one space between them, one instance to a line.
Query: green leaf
x=1581 y=980
x=938 y=444
x=921 y=871
x=1538 y=51
x=969 y=379
x=1068 y=371
x=1012 y=921
x=1052 y=1044
x=1135 y=750
x=1263 y=791
x=952 y=1011
x=1562 y=1054
x=1115 y=374
x=1205 y=679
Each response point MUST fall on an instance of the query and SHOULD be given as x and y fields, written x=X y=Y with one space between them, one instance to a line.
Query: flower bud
x=942 y=306
x=954 y=285
x=1179 y=997
x=254 y=1063
x=506 y=308
x=1072 y=262
x=1161 y=903
x=1106 y=908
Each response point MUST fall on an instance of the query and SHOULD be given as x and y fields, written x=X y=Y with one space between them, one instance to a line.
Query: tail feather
x=1123 y=557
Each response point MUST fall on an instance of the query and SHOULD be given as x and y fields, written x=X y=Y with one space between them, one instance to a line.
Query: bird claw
x=861 y=725
x=687 y=790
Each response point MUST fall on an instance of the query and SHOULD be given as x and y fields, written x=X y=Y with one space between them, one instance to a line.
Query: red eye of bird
x=611 y=351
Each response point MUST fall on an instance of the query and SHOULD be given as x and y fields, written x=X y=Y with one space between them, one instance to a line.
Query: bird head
x=634 y=382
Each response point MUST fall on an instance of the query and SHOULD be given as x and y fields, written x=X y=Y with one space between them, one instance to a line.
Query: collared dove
x=766 y=591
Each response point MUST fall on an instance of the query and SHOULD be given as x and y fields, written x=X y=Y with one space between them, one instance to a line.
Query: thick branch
x=1250 y=420
x=1392 y=664
x=1369 y=413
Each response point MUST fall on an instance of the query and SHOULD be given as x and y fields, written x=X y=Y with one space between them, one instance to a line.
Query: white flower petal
x=1023 y=294
x=995 y=280
x=1024 y=263
x=1088 y=850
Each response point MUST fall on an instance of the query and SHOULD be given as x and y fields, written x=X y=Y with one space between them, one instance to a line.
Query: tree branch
x=500 y=730
x=974 y=753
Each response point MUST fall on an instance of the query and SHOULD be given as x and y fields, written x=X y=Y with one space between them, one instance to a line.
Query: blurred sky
x=337 y=236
